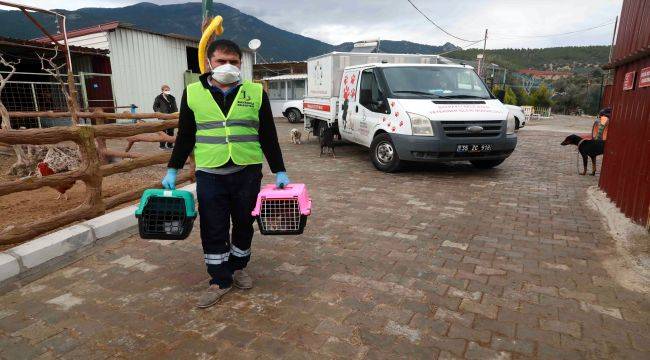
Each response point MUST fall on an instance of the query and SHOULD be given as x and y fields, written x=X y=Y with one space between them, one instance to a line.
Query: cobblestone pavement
x=441 y=262
x=563 y=123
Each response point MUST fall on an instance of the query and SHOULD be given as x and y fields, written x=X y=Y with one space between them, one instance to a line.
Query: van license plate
x=474 y=148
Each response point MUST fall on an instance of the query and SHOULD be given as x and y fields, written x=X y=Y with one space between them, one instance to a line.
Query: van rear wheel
x=383 y=154
x=486 y=164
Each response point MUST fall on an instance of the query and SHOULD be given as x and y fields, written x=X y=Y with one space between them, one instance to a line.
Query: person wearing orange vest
x=229 y=126
x=599 y=129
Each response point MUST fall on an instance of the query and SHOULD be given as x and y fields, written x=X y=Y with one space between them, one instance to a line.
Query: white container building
x=284 y=88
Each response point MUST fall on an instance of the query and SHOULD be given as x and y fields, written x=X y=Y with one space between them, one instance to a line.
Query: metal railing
x=36 y=92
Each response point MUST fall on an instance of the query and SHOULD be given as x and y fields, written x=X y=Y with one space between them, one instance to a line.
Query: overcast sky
x=511 y=23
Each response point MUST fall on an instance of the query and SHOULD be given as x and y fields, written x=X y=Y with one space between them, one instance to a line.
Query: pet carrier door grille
x=280 y=215
x=165 y=215
x=282 y=211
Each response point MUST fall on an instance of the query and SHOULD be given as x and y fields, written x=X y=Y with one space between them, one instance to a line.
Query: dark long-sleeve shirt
x=165 y=105
x=186 y=138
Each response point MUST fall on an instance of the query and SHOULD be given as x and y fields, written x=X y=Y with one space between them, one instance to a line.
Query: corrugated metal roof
x=83 y=31
x=286 y=77
x=633 y=37
x=39 y=45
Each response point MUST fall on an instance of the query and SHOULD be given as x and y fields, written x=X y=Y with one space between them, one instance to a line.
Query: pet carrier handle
x=286 y=187
x=281 y=179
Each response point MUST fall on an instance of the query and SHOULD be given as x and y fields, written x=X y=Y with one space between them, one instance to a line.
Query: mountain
x=402 y=47
x=571 y=57
x=184 y=19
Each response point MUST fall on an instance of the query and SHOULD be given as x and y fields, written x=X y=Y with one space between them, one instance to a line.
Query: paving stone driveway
x=441 y=262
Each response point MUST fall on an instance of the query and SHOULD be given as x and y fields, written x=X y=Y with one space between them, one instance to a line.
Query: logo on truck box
x=318 y=73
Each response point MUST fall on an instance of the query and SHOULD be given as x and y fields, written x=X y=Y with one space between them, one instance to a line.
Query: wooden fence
x=90 y=171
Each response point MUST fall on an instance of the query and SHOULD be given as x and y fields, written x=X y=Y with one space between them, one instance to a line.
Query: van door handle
x=356 y=109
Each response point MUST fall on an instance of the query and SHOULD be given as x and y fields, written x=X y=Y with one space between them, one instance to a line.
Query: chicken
x=45 y=170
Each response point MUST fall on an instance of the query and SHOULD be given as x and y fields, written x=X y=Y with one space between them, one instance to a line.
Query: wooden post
x=99 y=119
x=93 y=175
x=73 y=105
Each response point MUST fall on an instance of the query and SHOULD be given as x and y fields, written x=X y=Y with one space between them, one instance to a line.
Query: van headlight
x=420 y=125
x=510 y=127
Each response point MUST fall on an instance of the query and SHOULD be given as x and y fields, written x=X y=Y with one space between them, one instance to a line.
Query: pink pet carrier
x=282 y=211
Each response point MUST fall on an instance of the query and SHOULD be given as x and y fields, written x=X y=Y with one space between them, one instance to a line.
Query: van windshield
x=413 y=82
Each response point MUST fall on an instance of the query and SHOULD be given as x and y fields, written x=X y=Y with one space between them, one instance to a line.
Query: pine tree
x=541 y=97
x=510 y=97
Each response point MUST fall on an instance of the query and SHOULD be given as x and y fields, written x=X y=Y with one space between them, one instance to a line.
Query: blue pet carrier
x=166 y=214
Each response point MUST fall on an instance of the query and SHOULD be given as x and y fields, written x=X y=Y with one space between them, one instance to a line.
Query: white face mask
x=226 y=74
x=167 y=92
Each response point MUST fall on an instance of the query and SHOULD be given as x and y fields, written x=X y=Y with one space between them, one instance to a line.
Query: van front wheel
x=384 y=154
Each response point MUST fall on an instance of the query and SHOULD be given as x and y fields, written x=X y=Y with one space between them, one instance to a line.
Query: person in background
x=599 y=129
x=229 y=126
x=165 y=103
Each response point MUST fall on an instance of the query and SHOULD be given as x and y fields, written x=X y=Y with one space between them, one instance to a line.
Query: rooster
x=45 y=170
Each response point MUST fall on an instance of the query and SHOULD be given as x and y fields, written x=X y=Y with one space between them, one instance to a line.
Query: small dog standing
x=586 y=148
x=296 y=136
x=327 y=141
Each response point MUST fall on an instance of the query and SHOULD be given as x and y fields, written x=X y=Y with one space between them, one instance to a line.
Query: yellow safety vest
x=220 y=137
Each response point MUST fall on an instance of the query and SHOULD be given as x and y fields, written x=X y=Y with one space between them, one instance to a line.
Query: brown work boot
x=211 y=296
x=242 y=280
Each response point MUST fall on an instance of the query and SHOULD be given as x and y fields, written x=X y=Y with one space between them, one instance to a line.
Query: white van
x=409 y=108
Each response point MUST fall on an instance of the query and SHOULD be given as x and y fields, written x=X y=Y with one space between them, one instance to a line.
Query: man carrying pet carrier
x=229 y=126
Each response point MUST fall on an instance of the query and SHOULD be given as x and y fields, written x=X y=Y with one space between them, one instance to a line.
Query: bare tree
x=21 y=158
x=48 y=65
x=528 y=82
x=6 y=123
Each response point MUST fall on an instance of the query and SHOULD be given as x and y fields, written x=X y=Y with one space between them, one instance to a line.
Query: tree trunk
x=20 y=166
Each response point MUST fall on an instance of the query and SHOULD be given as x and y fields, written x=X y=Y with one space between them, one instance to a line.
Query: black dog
x=590 y=148
x=327 y=141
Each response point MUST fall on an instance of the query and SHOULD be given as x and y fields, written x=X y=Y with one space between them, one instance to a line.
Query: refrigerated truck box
x=324 y=72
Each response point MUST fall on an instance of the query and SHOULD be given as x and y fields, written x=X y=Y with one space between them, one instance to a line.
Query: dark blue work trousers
x=223 y=198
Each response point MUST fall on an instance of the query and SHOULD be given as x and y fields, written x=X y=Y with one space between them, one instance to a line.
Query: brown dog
x=296 y=136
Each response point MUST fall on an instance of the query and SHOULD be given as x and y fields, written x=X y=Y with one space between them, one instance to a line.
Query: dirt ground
x=29 y=206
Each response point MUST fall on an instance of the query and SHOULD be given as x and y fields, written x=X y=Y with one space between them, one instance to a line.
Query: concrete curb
x=36 y=258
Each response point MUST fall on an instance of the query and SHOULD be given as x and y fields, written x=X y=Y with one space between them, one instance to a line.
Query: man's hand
x=281 y=179
x=169 y=181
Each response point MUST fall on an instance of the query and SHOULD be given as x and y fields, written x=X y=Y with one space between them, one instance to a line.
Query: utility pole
x=611 y=47
x=608 y=73
x=482 y=58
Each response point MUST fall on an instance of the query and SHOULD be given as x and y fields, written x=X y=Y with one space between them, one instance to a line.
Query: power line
x=461 y=48
x=278 y=71
x=553 y=35
x=438 y=26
